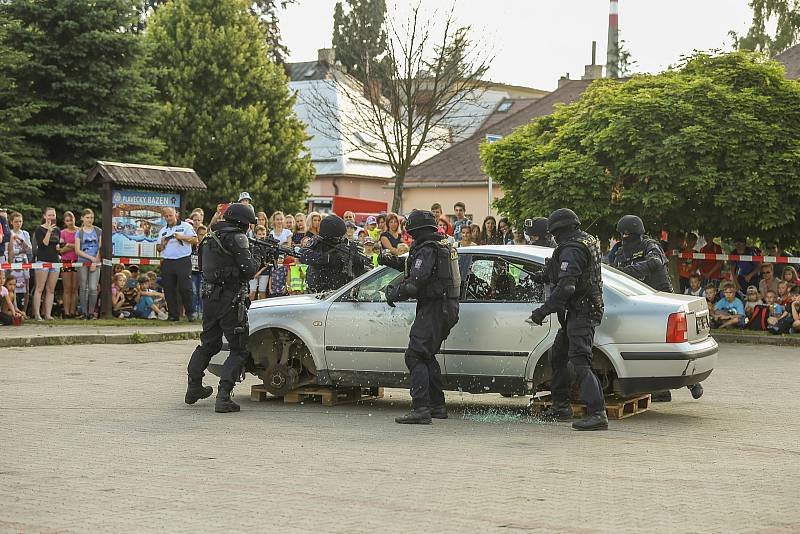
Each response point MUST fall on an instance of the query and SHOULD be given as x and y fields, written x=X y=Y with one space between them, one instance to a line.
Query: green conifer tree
x=228 y=112
x=359 y=36
x=84 y=91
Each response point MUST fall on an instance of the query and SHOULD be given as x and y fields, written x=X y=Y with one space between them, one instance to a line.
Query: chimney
x=612 y=51
x=564 y=80
x=593 y=71
x=327 y=56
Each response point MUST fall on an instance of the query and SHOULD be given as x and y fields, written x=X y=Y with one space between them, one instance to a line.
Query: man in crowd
x=536 y=233
x=577 y=298
x=175 y=244
x=332 y=261
x=746 y=271
x=244 y=198
x=433 y=279
x=350 y=217
x=461 y=220
x=436 y=209
x=227 y=266
x=641 y=257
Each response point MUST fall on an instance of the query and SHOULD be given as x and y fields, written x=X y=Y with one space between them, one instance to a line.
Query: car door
x=489 y=347
x=365 y=339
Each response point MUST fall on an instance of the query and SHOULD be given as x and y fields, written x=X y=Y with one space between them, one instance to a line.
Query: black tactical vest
x=445 y=281
x=588 y=296
x=216 y=261
x=656 y=278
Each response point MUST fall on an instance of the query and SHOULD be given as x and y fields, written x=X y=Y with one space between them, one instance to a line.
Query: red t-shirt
x=686 y=266
x=706 y=266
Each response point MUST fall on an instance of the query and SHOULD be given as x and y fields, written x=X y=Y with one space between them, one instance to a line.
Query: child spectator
x=350 y=230
x=790 y=323
x=281 y=234
x=776 y=310
x=88 y=241
x=297 y=276
x=277 y=281
x=475 y=232
x=69 y=275
x=729 y=311
x=466 y=236
x=768 y=281
x=146 y=307
x=299 y=231
x=130 y=292
x=711 y=270
x=118 y=307
x=372 y=228
x=752 y=299
x=8 y=305
x=789 y=274
x=694 y=288
x=370 y=252
x=19 y=250
x=259 y=283
x=784 y=298
x=47 y=236
x=443 y=225
x=687 y=266
x=710 y=293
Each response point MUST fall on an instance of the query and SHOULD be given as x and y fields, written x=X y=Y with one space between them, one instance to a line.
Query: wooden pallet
x=616 y=407
x=329 y=396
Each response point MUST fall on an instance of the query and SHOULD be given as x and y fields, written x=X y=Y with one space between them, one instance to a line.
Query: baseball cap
x=372 y=220
x=244 y=195
x=752 y=289
x=368 y=241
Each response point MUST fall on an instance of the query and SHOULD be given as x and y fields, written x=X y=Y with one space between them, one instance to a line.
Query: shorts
x=68 y=269
x=48 y=269
x=259 y=283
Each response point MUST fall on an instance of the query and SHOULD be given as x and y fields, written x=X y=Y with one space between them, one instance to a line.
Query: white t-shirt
x=174 y=248
x=284 y=237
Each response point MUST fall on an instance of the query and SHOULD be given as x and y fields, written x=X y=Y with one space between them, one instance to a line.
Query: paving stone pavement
x=97 y=438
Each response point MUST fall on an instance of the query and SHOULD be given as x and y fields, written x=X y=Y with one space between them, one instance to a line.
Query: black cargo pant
x=221 y=316
x=176 y=279
x=574 y=344
x=432 y=325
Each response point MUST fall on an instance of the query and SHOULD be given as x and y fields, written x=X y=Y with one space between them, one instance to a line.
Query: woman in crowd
x=790 y=275
x=489 y=233
x=506 y=235
x=288 y=222
x=312 y=226
x=88 y=240
x=69 y=278
x=381 y=220
x=18 y=251
x=261 y=217
x=279 y=233
x=476 y=234
x=299 y=231
x=391 y=238
x=47 y=237
x=197 y=217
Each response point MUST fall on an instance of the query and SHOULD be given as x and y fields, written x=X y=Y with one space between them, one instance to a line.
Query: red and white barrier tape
x=59 y=265
x=733 y=257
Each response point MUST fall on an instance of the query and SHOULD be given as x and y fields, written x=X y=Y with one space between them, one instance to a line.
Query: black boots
x=196 y=391
x=224 y=403
x=439 y=412
x=697 y=391
x=417 y=416
x=559 y=411
x=661 y=396
x=595 y=421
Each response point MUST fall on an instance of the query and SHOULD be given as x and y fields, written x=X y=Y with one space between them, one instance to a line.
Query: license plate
x=702 y=323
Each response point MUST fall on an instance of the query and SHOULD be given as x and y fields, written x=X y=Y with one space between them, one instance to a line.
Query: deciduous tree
x=713 y=146
x=785 y=14
x=227 y=112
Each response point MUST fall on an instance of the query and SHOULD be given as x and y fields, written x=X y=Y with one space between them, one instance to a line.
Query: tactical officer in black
x=642 y=257
x=332 y=261
x=577 y=298
x=433 y=279
x=227 y=266
x=536 y=233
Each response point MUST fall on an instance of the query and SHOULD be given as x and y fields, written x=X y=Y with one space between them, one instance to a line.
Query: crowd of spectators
x=740 y=294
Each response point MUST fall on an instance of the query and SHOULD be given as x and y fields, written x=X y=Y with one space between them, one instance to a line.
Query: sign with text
x=137 y=217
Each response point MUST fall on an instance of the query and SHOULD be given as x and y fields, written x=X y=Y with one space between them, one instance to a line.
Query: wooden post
x=106 y=270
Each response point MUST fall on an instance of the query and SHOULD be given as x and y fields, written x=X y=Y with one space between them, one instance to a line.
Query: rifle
x=346 y=249
x=273 y=248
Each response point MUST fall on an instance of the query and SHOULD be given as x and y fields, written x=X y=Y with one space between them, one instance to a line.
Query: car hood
x=292 y=300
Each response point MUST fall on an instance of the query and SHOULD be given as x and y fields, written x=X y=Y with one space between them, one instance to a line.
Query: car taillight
x=677 y=328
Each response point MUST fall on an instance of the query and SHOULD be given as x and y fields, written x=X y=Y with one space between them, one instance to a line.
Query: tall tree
x=786 y=16
x=18 y=194
x=91 y=100
x=359 y=35
x=691 y=149
x=228 y=112
x=431 y=69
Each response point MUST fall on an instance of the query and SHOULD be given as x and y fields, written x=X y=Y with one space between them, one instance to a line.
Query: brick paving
x=97 y=438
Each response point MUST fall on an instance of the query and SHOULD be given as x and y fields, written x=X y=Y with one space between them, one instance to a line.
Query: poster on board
x=137 y=217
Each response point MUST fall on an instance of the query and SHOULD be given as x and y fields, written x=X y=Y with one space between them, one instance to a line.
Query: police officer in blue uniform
x=226 y=265
x=432 y=278
x=642 y=257
x=577 y=298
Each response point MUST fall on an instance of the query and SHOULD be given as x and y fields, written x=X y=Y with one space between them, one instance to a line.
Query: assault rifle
x=273 y=248
x=351 y=252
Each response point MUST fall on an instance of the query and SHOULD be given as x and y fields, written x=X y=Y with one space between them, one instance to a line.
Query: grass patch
x=138 y=337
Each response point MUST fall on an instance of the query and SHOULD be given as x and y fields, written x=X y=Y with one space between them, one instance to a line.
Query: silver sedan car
x=648 y=340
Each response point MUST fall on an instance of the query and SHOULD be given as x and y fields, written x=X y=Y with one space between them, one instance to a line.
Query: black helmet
x=241 y=215
x=419 y=219
x=537 y=227
x=562 y=218
x=630 y=224
x=332 y=227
